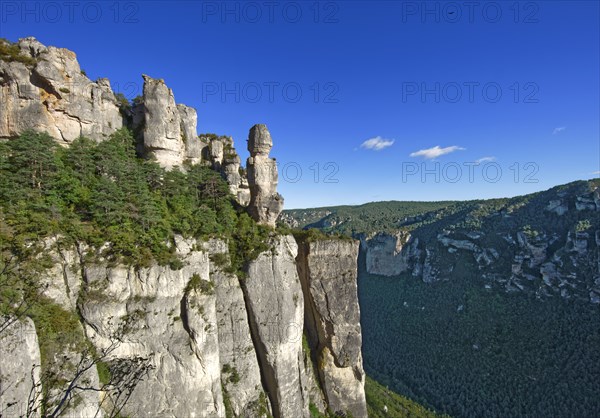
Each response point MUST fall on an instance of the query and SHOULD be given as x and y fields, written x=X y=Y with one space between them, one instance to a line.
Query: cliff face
x=390 y=254
x=276 y=311
x=162 y=134
x=190 y=339
x=19 y=367
x=198 y=341
x=328 y=272
x=51 y=94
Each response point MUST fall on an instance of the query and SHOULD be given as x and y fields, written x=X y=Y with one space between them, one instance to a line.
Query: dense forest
x=470 y=343
x=471 y=352
x=97 y=193
x=367 y=218
x=383 y=402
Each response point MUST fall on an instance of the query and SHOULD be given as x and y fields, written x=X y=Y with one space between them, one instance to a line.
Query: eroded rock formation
x=276 y=310
x=328 y=272
x=52 y=94
x=390 y=254
x=192 y=339
x=169 y=132
x=265 y=203
x=49 y=92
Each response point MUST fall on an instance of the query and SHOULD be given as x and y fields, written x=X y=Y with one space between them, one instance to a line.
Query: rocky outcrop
x=275 y=307
x=589 y=201
x=52 y=94
x=240 y=372
x=328 y=272
x=20 y=387
x=223 y=157
x=265 y=203
x=165 y=319
x=389 y=254
x=215 y=149
x=163 y=138
x=557 y=206
x=188 y=123
x=194 y=338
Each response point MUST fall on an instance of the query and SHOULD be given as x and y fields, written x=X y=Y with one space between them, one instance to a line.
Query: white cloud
x=435 y=152
x=558 y=130
x=485 y=160
x=595 y=173
x=378 y=143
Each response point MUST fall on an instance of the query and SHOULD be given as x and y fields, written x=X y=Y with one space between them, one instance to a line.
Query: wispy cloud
x=595 y=173
x=558 y=130
x=435 y=152
x=485 y=160
x=377 y=144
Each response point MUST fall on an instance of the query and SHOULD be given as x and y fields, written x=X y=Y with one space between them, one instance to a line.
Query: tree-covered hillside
x=98 y=193
x=496 y=309
x=472 y=352
x=383 y=402
x=367 y=218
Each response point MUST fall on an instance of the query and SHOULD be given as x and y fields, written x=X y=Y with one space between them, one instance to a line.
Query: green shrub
x=220 y=259
x=205 y=287
x=583 y=225
x=104 y=374
x=10 y=52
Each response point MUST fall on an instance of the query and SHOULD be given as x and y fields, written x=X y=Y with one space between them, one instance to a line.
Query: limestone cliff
x=276 y=311
x=44 y=89
x=390 y=254
x=169 y=130
x=49 y=92
x=328 y=272
x=199 y=339
x=21 y=392
x=191 y=338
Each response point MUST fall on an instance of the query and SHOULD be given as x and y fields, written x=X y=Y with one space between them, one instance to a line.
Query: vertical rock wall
x=328 y=272
x=20 y=389
x=276 y=310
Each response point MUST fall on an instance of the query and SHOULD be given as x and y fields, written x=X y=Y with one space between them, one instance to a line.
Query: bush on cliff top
x=10 y=52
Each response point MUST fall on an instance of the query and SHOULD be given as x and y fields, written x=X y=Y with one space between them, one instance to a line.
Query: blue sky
x=513 y=87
